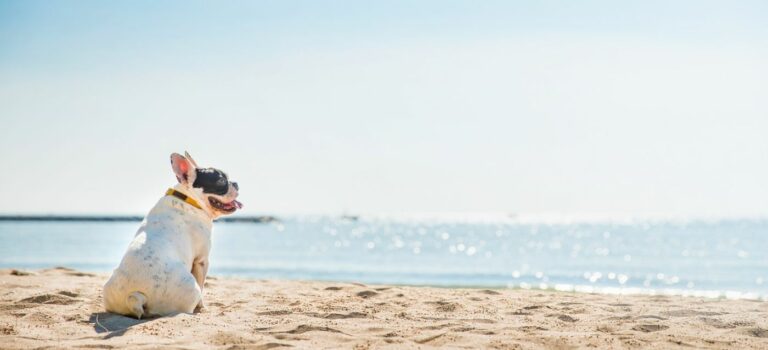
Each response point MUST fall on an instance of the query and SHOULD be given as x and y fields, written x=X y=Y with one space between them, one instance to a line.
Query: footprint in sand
x=7 y=329
x=16 y=306
x=62 y=268
x=429 y=339
x=525 y=309
x=55 y=299
x=757 y=332
x=651 y=317
x=226 y=337
x=292 y=337
x=619 y=318
x=41 y=318
x=564 y=317
x=22 y=273
x=304 y=328
x=275 y=313
x=445 y=306
x=439 y=326
x=367 y=294
x=688 y=313
x=337 y=316
x=532 y=307
x=519 y=313
x=605 y=329
x=266 y=346
x=717 y=323
x=649 y=327
x=528 y=329
x=489 y=292
x=81 y=274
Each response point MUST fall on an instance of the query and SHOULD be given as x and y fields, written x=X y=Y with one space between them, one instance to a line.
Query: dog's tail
x=136 y=302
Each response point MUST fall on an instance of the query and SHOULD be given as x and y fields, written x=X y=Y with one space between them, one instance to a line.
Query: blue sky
x=598 y=107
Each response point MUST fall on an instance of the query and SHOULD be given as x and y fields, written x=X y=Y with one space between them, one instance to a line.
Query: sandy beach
x=61 y=308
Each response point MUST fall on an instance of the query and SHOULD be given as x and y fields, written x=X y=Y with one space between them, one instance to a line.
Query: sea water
x=713 y=259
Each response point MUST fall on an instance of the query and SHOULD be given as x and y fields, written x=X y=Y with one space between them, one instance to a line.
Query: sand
x=61 y=308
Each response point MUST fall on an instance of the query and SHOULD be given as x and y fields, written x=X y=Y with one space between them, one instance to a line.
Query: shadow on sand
x=113 y=324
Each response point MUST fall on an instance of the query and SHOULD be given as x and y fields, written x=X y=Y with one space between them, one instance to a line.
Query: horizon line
x=489 y=217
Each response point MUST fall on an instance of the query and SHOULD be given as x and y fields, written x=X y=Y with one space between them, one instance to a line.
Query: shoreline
x=725 y=294
x=61 y=308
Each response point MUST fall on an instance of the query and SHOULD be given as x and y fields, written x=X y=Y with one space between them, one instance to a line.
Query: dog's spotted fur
x=163 y=271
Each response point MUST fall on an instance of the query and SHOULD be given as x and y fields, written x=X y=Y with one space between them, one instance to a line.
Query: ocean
x=702 y=258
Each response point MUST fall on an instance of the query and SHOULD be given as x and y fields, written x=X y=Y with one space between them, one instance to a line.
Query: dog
x=163 y=271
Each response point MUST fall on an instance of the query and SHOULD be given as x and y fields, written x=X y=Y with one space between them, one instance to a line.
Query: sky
x=640 y=108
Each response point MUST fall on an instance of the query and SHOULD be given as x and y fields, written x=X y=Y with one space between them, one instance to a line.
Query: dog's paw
x=199 y=308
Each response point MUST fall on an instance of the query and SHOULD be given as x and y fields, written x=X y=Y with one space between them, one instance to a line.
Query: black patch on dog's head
x=212 y=180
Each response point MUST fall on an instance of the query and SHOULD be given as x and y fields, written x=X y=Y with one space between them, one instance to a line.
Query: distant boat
x=350 y=217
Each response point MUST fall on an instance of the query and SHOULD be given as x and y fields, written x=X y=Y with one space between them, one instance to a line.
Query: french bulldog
x=163 y=271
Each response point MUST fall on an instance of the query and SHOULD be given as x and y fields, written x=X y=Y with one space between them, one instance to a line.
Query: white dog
x=163 y=272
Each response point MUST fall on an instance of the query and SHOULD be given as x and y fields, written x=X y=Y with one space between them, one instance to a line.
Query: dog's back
x=154 y=276
x=164 y=270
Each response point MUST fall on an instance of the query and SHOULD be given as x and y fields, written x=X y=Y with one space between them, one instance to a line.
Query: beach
x=62 y=308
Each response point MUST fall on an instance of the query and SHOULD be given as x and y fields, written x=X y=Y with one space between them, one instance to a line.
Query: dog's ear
x=194 y=163
x=183 y=168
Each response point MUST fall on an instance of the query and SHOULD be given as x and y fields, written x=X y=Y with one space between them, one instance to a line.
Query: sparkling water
x=715 y=259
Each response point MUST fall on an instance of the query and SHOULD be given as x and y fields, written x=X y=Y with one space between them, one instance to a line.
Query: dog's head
x=209 y=186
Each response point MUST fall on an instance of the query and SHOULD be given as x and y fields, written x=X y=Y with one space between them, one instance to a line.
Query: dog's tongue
x=238 y=204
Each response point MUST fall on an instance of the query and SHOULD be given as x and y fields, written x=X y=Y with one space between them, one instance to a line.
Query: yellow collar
x=184 y=197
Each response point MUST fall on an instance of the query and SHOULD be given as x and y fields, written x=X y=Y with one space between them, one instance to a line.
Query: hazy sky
x=626 y=107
